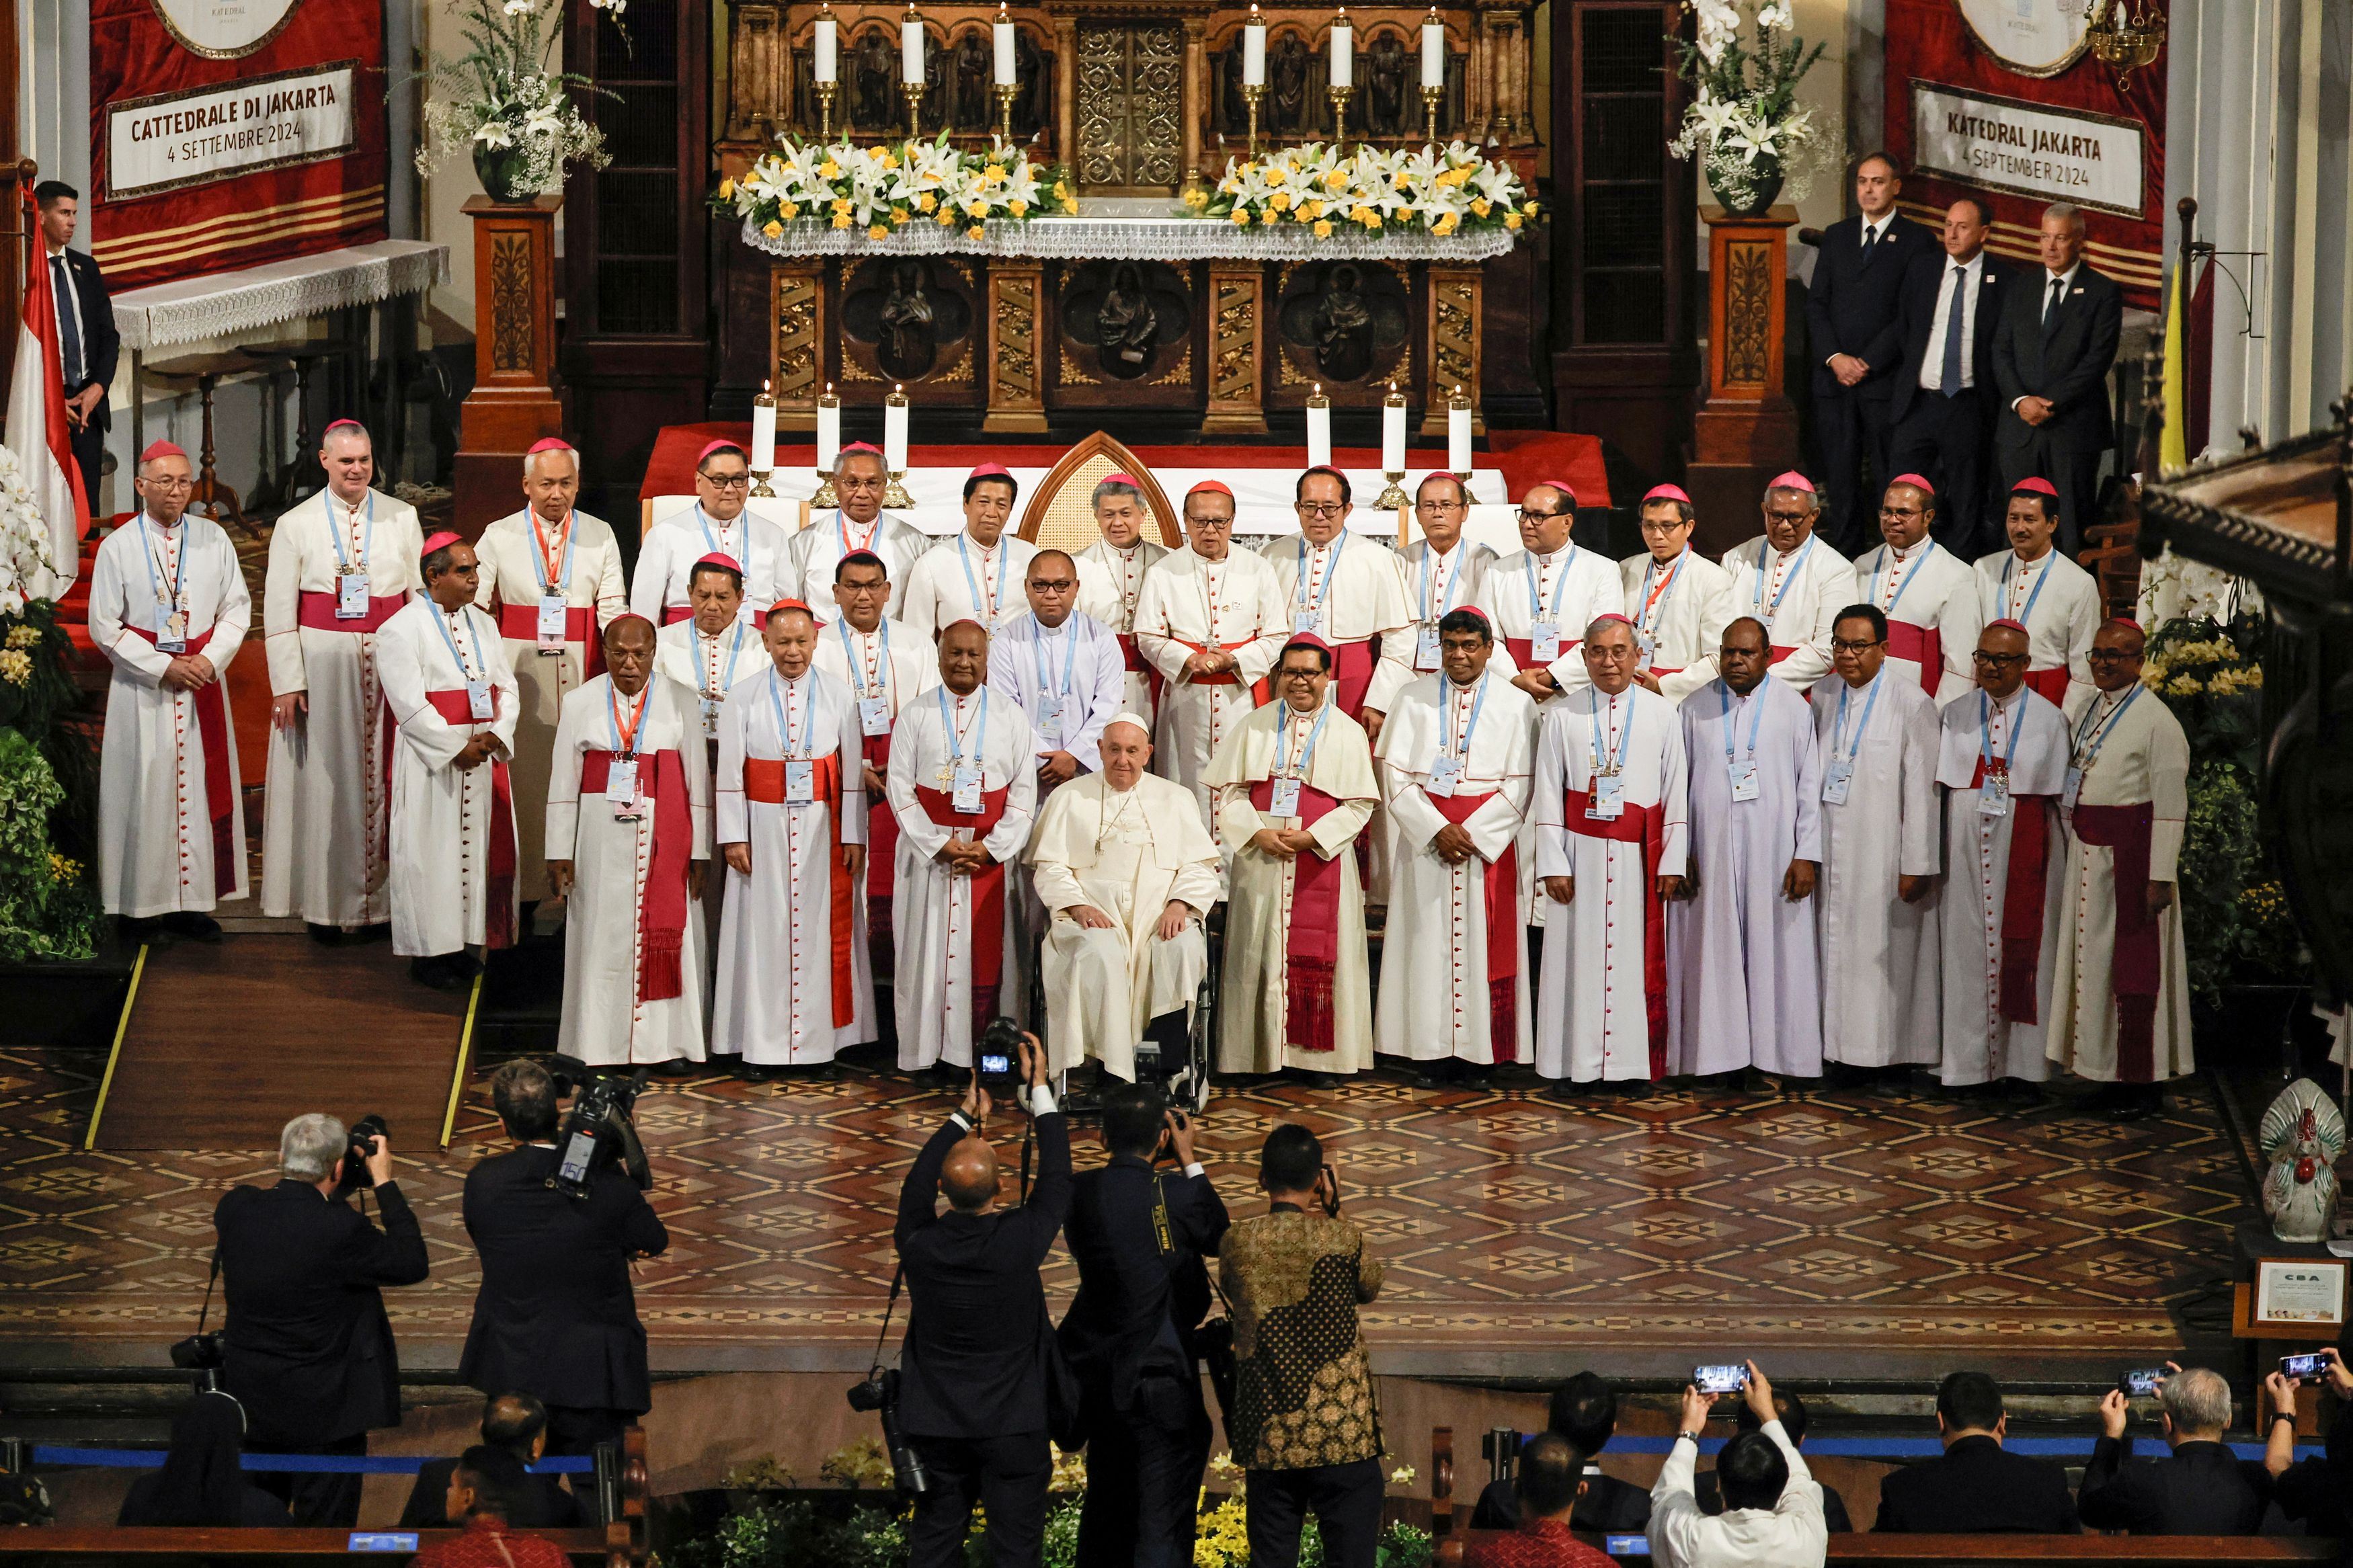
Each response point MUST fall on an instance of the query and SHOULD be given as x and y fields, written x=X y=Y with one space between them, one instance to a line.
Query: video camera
x=598 y=1132
x=879 y=1393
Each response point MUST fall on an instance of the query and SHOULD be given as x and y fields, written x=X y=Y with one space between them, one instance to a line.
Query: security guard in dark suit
x=2051 y=357
x=87 y=344
x=1944 y=400
x=307 y=1349
x=1139 y=1236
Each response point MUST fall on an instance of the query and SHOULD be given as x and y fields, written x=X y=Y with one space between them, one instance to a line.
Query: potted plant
x=1744 y=123
x=502 y=103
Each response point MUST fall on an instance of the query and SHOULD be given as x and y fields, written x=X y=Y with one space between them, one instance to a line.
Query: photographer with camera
x=973 y=1390
x=555 y=1317
x=308 y=1349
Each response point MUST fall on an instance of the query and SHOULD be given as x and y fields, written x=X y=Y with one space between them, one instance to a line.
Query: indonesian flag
x=37 y=420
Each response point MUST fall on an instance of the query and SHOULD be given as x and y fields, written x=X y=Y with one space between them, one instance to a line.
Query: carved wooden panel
x=1237 y=350
x=796 y=319
x=512 y=344
x=1452 y=350
x=1749 y=280
x=1016 y=384
x=1131 y=104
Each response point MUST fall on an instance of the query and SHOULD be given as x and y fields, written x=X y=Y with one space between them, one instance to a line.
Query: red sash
x=1524 y=651
x=1502 y=892
x=881 y=824
x=2025 y=887
x=1312 y=946
x=1924 y=644
x=1645 y=826
x=673 y=614
x=1782 y=651
x=2133 y=968
x=662 y=915
x=220 y=799
x=1153 y=678
x=1223 y=677
x=520 y=623
x=317 y=611
x=764 y=781
x=2050 y=683
x=499 y=920
x=987 y=891
x=1351 y=674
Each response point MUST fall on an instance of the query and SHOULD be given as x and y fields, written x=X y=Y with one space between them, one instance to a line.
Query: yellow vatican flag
x=2173 y=447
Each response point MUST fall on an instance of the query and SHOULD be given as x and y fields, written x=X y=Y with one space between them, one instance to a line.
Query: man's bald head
x=968 y=1175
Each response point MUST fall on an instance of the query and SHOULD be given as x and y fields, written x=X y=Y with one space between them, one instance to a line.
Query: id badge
x=1285 y=801
x=2072 y=788
x=966 y=799
x=1543 y=641
x=170 y=630
x=481 y=702
x=800 y=782
x=710 y=718
x=1650 y=646
x=1049 y=726
x=1425 y=648
x=554 y=616
x=1307 y=621
x=1744 y=779
x=621 y=787
x=1444 y=774
x=873 y=715
x=351 y=596
x=1607 y=802
x=1993 y=796
x=1836 y=782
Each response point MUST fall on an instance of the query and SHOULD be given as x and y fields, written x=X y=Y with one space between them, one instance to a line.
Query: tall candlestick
x=1393 y=449
x=1319 y=429
x=1001 y=31
x=895 y=447
x=1458 y=437
x=1434 y=50
x=1344 y=50
x=911 y=48
x=827 y=67
x=1254 y=50
x=764 y=440
x=829 y=447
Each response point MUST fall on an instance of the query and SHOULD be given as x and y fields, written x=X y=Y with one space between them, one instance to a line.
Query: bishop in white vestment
x=341 y=563
x=1541 y=598
x=976 y=575
x=629 y=849
x=718 y=524
x=857 y=524
x=2034 y=584
x=1442 y=571
x=1929 y=594
x=1792 y=581
x=1111 y=577
x=169 y=608
x=1294 y=787
x=1345 y=590
x=1678 y=599
x=714 y=647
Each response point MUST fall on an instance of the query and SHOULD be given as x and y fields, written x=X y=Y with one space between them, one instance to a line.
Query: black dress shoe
x=677 y=1066
x=1308 y=1078
x=436 y=973
x=380 y=932
x=325 y=936
x=195 y=927
x=753 y=1072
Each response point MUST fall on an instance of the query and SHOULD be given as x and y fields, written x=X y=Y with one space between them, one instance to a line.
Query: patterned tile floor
x=1840 y=1231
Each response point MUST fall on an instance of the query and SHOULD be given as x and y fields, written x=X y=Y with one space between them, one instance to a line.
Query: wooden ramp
x=221 y=1045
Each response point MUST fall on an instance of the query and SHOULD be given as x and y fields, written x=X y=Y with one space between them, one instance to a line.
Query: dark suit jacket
x=2203 y=1489
x=546 y=1505
x=1975 y=1488
x=556 y=1315
x=309 y=1350
x=1995 y=280
x=1854 y=307
x=1137 y=1308
x=101 y=345
x=1707 y=1493
x=258 y=1508
x=973 y=1364
x=1610 y=1507
x=2065 y=360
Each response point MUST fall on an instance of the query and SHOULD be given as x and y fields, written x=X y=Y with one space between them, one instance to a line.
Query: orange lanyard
x=626 y=735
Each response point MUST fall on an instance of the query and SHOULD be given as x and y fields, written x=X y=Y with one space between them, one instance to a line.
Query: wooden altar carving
x=1016 y=366
x=1452 y=339
x=1747 y=430
x=1237 y=350
x=513 y=402
x=797 y=337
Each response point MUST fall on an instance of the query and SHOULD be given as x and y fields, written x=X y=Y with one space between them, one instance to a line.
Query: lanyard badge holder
x=1307 y=616
x=965 y=779
x=171 y=623
x=1607 y=801
x=481 y=704
x=351 y=576
x=873 y=709
x=621 y=790
x=1053 y=705
x=1838 y=774
x=554 y=607
x=1283 y=794
x=1544 y=621
x=1446 y=770
x=1425 y=644
x=1742 y=771
x=800 y=772
x=1993 y=794
x=2089 y=743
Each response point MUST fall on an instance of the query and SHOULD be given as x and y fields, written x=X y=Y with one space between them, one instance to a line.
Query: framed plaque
x=2300 y=1293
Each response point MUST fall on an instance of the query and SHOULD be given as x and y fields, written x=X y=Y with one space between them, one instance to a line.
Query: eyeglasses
x=171 y=482
x=726 y=482
x=1996 y=660
x=1528 y=516
x=1662 y=526
x=1440 y=506
x=1288 y=673
x=1054 y=584
x=857 y=482
x=2113 y=656
x=1321 y=508
x=1842 y=645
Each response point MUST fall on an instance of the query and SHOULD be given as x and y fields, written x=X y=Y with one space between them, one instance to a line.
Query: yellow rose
x=1017 y=208
x=1311 y=208
x=840 y=204
x=927 y=201
x=1280 y=201
x=1242 y=217
x=1445 y=225
x=993 y=174
x=726 y=190
x=1530 y=209
x=788 y=209
x=879 y=231
x=1334 y=180
x=1069 y=203
x=975 y=209
x=1322 y=229
x=1481 y=206
x=841 y=220
x=772 y=229
x=975 y=233
x=947 y=217
x=1511 y=220
x=1373 y=222
x=829 y=170
x=890 y=160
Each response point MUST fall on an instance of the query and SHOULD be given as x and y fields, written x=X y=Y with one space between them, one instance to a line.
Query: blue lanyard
x=1453 y=589
x=1069 y=653
x=955 y=742
x=849 y=655
x=564 y=568
x=1787 y=577
x=1755 y=717
x=1985 y=736
x=733 y=650
x=1838 y=728
x=2095 y=736
x=972 y=584
x=2023 y=616
x=1299 y=588
x=179 y=561
x=1307 y=755
x=784 y=734
x=613 y=717
x=1905 y=586
x=465 y=669
x=1617 y=761
x=710 y=545
x=1446 y=720
x=335 y=533
x=1537 y=610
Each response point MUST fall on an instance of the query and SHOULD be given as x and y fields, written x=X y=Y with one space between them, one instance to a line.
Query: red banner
x=2004 y=101
x=225 y=133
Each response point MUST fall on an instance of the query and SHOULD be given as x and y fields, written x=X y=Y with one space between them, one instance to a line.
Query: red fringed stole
x=662 y=909
x=2050 y=683
x=498 y=920
x=1502 y=890
x=220 y=796
x=881 y=824
x=1310 y=948
x=987 y=893
x=2026 y=885
x=317 y=611
x=1153 y=679
x=1645 y=826
x=764 y=781
x=520 y=623
x=1923 y=643
x=2133 y=968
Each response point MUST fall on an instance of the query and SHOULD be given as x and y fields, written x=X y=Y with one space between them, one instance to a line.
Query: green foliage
x=47 y=907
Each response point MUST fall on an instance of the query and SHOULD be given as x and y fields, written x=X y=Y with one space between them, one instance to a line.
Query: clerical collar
x=349 y=506
x=153 y=521
x=855 y=632
x=1868 y=684
x=2026 y=564
x=1903 y=553
x=1790 y=553
x=987 y=549
x=1051 y=631
x=2004 y=704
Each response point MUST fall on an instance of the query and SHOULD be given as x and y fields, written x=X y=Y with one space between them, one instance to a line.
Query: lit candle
x=911 y=48
x=1434 y=50
x=828 y=429
x=1003 y=32
x=1458 y=434
x=1254 y=50
x=763 y=431
x=894 y=430
x=1393 y=432
x=1344 y=50
x=828 y=47
x=1319 y=429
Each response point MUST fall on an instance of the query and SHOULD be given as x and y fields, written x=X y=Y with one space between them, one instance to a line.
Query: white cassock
x=1797 y=595
x=453 y=830
x=795 y=985
x=1436 y=583
x=1879 y=960
x=710 y=667
x=1743 y=990
x=530 y=573
x=327 y=814
x=2123 y=986
x=885 y=669
x=956 y=962
x=666 y=561
x=1540 y=606
x=1296 y=988
x=1601 y=1003
x=818 y=549
x=1190 y=605
x=956 y=580
x=171 y=819
x=1126 y=854
x=1070 y=680
x=1110 y=579
x=2058 y=602
x=1679 y=610
x=634 y=981
x=1931 y=600
x=2001 y=867
x=1454 y=982
x=1348 y=593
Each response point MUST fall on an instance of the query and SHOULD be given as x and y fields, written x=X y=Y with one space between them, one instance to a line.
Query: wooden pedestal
x=1452 y=333
x=514 y=402
x=1017 y=367
x=1237 y=351
x=1746 y=431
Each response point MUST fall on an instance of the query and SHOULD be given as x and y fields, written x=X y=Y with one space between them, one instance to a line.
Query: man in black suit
x=1975 y=1488
x=1942 y=404
x=307 y=1349
x=1139 y=1238
x=2050 y=356
x=1707 y=1491
x=1866 y=268
x=87 y=344
x=1584 y=1409
x=556 y=1315
x=980 y=1349
x=2203 y=1489
x=517 y=1423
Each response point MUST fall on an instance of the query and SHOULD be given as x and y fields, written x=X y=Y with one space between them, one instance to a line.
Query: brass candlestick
x=914 y=91
x=1394 y=495
x=1005 y=94
x=895 y=494
x=1250 y=95
x=825 y=91
x=1431 y=99
x=1340 y=96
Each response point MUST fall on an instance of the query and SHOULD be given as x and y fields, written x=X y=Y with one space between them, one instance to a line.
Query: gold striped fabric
x=328 y=213
x=2016 y=242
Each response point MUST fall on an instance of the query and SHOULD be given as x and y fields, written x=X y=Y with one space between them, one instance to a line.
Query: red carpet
x=1526 y=457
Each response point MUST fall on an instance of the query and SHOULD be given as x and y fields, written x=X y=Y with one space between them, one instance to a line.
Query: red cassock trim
x=1923 y=645
x=987 y=890
x=764 y=781
x=673 y=614
x=2026 y=886
x=520 y=623
x=1502 y=908
x=2050 y=683
x=881 y=824
x=1645 y=826
x=1153 y=678
x=661 y=913
x=317 y=611
x=220 y=799
x=2133 y=968
x=1223 y=677
x=1310 y=948
x=1782 y=651
x=1523 y=652
x=499 y=920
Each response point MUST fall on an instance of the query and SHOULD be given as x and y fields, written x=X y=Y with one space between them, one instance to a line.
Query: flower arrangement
x=1744 y=122
x=27 y=560
x=47 y=908
x=515 y=117
x=1330 y=188
x=879 y=188
x=49 y=777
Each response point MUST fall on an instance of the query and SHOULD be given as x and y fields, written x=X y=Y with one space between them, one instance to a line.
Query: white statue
x=2302 y=1135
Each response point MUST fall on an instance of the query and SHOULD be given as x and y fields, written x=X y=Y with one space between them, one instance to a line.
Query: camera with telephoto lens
x=365 y=1131
x=1000 y=1054
x=598 y=1131
x=879 y=1395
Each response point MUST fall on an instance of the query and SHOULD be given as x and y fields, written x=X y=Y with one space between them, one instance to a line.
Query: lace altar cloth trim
x=222 y=303
x=1084 y=238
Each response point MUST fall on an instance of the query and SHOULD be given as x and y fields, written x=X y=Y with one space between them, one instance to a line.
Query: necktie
x=68 y=327
x=1870 y=238
x=1949 y=378
x=2058 y=292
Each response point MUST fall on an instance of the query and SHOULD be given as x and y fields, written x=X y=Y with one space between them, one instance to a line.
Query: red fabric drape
x=1645 y=826
x=220 y=796
x=1501 y=887
x=987 y=891
x=1312 y=946
x=2133 y=967
x=661 y=912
